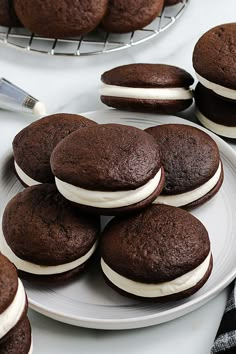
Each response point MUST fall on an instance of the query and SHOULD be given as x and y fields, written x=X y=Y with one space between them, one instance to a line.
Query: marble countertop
x=71 y=85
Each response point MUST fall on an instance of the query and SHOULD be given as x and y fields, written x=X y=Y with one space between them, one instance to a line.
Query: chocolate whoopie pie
x=214 y=60
x=33 y=145
x=126 y=16
x=60 y=18
x=8 y=16
x=45 y=236
x=20 y=341
x=13 y=303
x=160 y=253
x=194 y=172
x=156 y=88
x=108 y=169
x=214 y=113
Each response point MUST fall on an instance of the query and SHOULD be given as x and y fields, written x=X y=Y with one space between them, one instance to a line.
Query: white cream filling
x=228 y=132
x=24 y=177
x=175 y=286
x=12 y=315
x=37 y=269
x=178 y=200
x=39 y=109
x=172 y=93
x=102 y=199
x=220 y=90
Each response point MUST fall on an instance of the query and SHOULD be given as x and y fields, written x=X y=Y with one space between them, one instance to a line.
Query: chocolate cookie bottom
x=20 y=340
x=144 y=105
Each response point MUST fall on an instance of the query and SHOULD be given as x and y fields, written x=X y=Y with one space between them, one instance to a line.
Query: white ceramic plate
x=89 y=302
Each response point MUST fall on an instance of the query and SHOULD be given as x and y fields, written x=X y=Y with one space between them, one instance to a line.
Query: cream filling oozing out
x=37 y=269
x=102 y=199
x=223 y=130
x=178 y=200
x=220 y=90
x=175 y=286
x=11 y=316
x=24 y=177
x=171 y=93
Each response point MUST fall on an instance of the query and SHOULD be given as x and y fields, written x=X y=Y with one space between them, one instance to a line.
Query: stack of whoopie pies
x=15 y=330
x=215 y=94
x=76 y=170
x=60 y=18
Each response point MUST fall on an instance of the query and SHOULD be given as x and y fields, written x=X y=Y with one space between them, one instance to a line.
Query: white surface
x=186 y=281
x=63 y=85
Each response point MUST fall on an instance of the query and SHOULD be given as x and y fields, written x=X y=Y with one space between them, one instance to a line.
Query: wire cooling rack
x=97 y=42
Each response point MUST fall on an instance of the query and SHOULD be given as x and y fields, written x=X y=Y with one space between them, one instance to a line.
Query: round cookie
x=20 y=340
x=8 y=17
x=108 y=169
x=214 y=60
x=60 y=19
x=214 y=113
x=160 y=253
x=45 y=236
x=194 y=172
x=155 y=88
x=127 y=16
x=13 y=304
x=33 y=145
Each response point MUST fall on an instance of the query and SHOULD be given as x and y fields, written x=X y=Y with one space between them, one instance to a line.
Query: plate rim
x=154 y=318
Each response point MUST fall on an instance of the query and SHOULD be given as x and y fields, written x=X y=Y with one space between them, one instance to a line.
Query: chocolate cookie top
x=41 y=227
x=210 y=105
x=60 y=18
x=8 y=16
x=20 y=341
x=158 y=244
x=107 y=157
x=214 y=55
x=190 y=157
x=8 y=283
x=148 y=76
x=126 y=16
x=34 y=144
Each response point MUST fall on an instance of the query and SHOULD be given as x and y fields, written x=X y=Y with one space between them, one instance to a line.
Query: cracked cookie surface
x=214 y=56
x=190 y=156
x=158 y=244
x=60 y=18
x=42 y=227
x=34 y=144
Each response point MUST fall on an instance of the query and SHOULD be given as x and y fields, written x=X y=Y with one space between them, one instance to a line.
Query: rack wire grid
x=97 y=42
